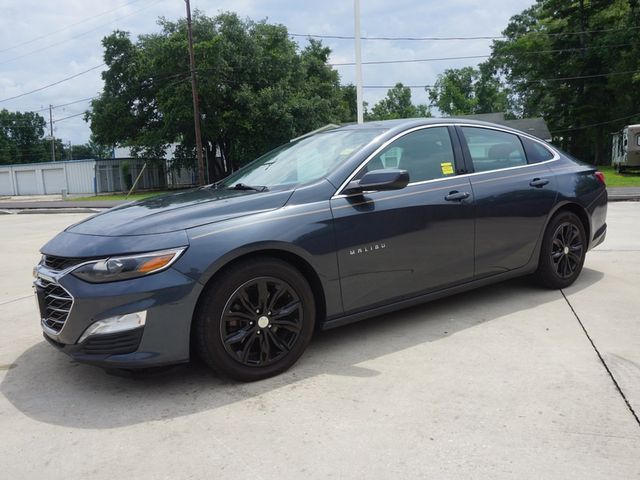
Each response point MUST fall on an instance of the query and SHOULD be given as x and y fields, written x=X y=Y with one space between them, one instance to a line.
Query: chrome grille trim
x=56 y=306
x=60 y=263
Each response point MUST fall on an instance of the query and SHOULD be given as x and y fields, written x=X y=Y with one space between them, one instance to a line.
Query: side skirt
x=428 y=297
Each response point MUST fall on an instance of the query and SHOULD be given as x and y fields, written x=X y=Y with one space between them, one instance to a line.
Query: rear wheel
x=255 y=320
x=563 y=251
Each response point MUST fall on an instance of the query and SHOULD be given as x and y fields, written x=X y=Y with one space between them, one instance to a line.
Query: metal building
x=92 y=176
x=75 y=176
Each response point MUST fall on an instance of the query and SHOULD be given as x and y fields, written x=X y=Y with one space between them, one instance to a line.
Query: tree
x=257 y=90
x=465 y=91
x=91 y=149
x=566 y=61
x=397 y=104
x=21 y=137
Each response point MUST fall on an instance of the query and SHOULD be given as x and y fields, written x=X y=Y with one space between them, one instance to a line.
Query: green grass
x=123 y=196
x=615 y=179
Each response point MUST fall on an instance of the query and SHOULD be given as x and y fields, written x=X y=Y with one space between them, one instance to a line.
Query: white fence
x=76 y=176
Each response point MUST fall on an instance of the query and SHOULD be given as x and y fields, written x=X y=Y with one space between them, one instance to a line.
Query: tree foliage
x=257 y=90
x=397 y=104
x=22 y=137
x=543 y=52
x=466 y=91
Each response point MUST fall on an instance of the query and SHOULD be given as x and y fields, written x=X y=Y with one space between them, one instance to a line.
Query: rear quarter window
x=536 y=152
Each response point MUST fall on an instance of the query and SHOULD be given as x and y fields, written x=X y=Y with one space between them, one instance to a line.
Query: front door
x=397 y=244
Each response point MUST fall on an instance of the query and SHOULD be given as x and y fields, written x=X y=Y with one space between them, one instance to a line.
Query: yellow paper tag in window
x=447 y=168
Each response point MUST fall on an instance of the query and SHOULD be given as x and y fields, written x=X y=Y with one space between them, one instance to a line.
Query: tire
x=564 y=247
x=265 y=310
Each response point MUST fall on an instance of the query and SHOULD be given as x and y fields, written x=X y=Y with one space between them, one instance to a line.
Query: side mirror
x=379 y=180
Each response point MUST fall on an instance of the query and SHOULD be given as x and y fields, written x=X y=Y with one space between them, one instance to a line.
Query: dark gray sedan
x=326 y=230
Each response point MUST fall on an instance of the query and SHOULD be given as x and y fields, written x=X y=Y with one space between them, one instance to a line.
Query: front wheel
x=563 y=251
x=255 y=320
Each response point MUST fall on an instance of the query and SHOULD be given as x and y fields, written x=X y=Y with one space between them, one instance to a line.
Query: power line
x=75 y=101
x=479 y=37
x=540 y=80
x=35 y=39
x=596 y=124
x=469 y=57
x=51 y=84
x=58 y=106
x=70 y=116
x=413 y=60
x=79 y=35
x=182 y=76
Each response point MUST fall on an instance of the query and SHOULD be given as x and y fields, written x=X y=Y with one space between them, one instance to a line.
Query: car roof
x=406 y=123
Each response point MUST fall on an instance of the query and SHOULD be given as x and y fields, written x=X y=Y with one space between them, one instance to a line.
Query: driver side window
x=426 y=154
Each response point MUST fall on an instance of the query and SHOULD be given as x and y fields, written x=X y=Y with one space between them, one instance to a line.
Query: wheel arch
x=579 y=211
x=567 y=206
x=282 y=252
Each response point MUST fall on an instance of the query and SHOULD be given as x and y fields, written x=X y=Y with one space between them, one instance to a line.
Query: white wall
x=48 y=178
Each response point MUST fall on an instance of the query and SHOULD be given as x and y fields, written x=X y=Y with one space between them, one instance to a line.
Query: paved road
x=505 y=382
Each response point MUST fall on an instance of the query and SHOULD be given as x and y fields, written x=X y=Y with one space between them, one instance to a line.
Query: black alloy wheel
x=255 y=319
x=261 y=321
x=563 y=250
x=567 y=250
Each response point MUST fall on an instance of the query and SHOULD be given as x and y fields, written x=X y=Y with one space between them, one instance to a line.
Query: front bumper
x=168 y=297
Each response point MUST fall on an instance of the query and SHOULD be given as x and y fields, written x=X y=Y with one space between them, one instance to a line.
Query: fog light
x=115 y=324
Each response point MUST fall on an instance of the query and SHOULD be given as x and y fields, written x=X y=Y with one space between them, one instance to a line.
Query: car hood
x=179 y=211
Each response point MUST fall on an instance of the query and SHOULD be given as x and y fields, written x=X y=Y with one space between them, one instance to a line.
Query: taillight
x=600 y=176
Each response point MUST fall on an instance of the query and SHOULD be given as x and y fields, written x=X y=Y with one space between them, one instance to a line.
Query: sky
x=42 y=42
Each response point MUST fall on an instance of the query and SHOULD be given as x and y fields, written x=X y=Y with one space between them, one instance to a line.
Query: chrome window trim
x=556 y=155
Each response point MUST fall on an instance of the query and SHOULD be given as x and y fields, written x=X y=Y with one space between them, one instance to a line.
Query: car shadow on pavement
x=48 y=387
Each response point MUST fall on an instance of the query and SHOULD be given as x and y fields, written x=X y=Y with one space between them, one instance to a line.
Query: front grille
x=55 y=306
x=60 y=263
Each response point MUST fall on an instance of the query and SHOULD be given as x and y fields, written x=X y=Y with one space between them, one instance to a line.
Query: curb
x=50 y=210
x=624 y=198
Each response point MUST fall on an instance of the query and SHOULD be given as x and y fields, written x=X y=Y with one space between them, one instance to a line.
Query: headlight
x=123 y=268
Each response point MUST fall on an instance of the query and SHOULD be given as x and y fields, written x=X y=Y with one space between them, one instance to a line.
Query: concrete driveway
x=509 y=381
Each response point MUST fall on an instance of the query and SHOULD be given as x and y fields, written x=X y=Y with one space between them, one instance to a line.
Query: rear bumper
x=599 y=237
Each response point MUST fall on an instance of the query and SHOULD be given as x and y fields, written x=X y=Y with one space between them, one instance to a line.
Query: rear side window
x=536 y=153
x=493 y=149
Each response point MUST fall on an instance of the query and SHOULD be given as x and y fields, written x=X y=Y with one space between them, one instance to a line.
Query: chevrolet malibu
x=331 y=228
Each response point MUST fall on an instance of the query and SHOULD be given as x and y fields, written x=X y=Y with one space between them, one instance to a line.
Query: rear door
x=397 y=244
x=513 y=196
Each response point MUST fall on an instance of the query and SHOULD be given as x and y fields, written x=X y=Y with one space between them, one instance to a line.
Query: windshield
x=301 y=161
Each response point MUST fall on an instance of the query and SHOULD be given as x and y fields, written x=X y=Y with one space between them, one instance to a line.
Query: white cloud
x=61 y=54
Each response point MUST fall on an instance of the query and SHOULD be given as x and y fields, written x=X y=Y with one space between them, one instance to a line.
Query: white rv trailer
x=625 y=152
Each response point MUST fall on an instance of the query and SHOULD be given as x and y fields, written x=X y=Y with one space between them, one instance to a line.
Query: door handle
x=538 y=182
x=456 y=196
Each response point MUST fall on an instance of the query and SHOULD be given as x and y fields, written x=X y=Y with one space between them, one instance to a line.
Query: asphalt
x=509 y=381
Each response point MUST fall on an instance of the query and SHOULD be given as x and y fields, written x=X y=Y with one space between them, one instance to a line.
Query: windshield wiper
x=242 y=186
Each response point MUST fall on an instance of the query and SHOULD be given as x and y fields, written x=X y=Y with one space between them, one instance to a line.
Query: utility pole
x=356 y=8
x=53 y=140
x=194 y=92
